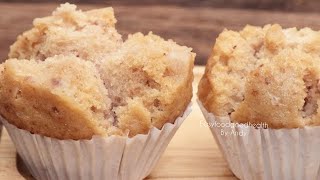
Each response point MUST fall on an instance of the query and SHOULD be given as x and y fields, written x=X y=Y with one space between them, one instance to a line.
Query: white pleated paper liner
x=114 y=157
x=267 y=154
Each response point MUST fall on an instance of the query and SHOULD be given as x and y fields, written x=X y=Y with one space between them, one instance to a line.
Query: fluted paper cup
x=259 y=153
x=111 y=157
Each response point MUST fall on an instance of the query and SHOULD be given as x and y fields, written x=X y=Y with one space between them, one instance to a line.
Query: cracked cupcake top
x=71 y=77
x=88 y=35
x=264 y=74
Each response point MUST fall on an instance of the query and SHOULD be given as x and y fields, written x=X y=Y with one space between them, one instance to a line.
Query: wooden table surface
x=192 y=153
x=196 y=27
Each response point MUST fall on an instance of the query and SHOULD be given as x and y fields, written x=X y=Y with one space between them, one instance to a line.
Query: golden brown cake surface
x=87 y=35
x=73 y=78
x=61 y=97
x=150 y=75
x=267 y=74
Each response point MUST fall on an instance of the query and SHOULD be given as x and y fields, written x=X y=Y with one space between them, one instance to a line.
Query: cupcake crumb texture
x=72 y=76
x=264 y=74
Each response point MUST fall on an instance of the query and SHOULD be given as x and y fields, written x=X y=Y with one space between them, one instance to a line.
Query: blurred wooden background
x=189 y=22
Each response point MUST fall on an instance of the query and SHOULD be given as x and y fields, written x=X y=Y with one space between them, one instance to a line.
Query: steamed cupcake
x=260 y=95
x=78 y=101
